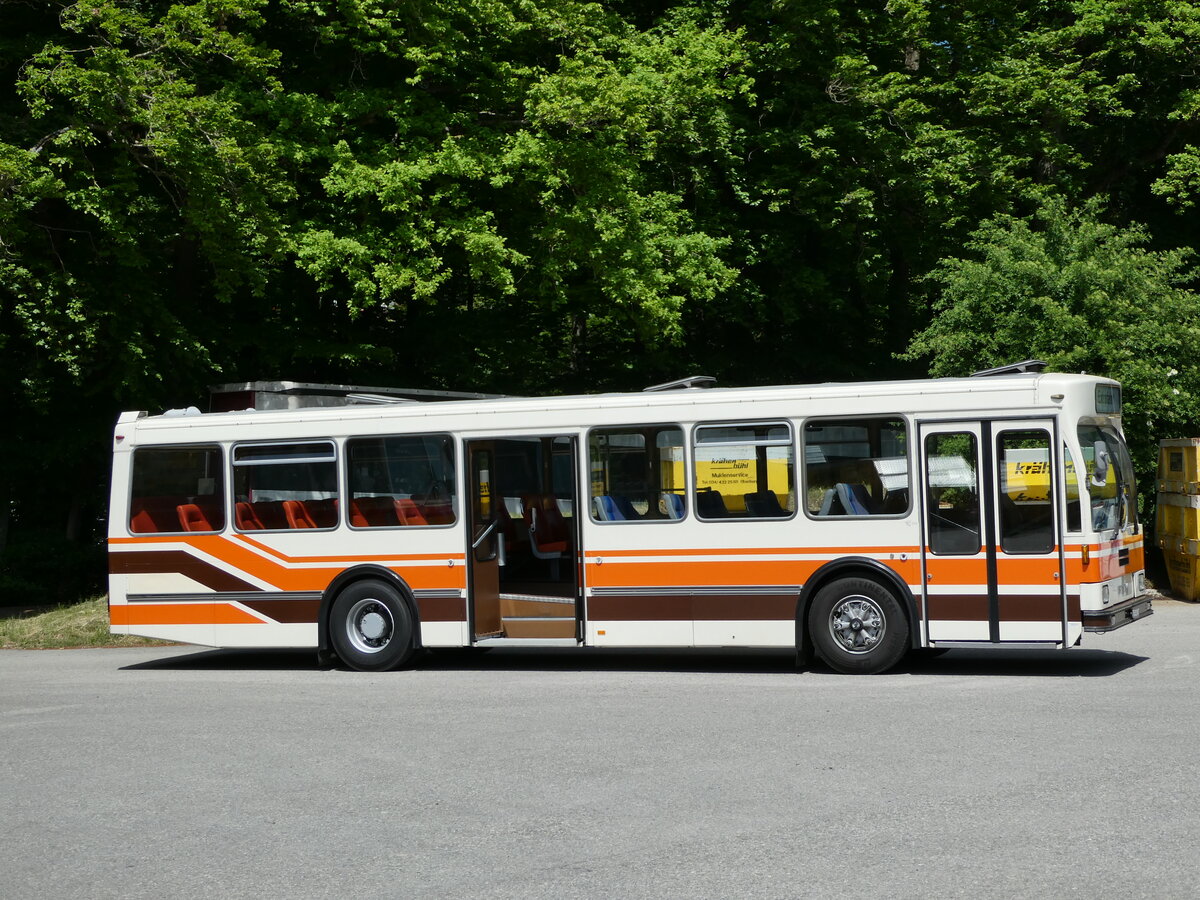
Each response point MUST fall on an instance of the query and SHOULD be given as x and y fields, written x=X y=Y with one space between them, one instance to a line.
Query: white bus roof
x=1030 y=391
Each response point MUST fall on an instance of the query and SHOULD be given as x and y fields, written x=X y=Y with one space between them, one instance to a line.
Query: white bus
x=853 y=522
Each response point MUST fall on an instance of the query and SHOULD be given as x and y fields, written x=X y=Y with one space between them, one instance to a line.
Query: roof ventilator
x=694 y=381
x=1028 y=367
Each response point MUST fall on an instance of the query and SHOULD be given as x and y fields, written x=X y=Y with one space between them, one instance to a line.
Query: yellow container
x=1182 y=570
x=1178 y=518
x=1179 y=465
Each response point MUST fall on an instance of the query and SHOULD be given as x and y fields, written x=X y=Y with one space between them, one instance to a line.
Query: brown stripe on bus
x=286 y=610
x=441 y=609
x=1013 y=608
x=176 y=562
x=705 y=607
x=1036 y=607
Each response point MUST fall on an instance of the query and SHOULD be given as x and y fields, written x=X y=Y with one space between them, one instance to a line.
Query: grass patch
x=80 y=625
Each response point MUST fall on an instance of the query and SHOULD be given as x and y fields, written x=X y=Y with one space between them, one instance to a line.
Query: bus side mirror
x=1100 y=473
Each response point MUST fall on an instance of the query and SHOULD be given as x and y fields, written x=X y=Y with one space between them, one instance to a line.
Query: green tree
x=487 y=194
x=134 y=207
x=552 y=196
x=521 y=182
x=885 y=132
x=1084 y=295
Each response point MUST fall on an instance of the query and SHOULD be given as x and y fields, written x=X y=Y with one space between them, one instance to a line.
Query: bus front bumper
x=1117 y=616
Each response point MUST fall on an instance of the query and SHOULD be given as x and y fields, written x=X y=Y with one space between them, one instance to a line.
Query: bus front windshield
x=1110 y=481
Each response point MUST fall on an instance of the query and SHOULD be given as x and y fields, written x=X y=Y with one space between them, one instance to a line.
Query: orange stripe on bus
x=279 y=576
x=752 y=552
x=204 y=541
x=1027 y=570
x=243 y=560
x=181 y=614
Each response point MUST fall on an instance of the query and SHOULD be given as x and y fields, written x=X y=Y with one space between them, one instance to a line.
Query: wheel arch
x=853 y=567
x=325 y=652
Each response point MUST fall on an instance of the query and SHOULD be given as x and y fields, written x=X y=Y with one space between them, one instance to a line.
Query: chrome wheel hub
x=369 y=626
x=857 y=624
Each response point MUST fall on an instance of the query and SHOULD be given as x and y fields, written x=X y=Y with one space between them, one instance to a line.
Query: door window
x=482 y=517
x=1073 y=480
x=952 y=477
x=1023 y=474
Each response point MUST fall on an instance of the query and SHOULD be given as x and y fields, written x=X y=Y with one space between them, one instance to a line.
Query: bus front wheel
x=370 y=627
x=857 y=626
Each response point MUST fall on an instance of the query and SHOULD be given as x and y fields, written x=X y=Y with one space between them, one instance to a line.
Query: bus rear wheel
x=370 y=627
x=858 y=627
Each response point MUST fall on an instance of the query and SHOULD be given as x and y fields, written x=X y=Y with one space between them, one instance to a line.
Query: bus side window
x=856 y=467
x=285 y=487
x=745 y=471
x=637 y=474
x=177 y=489
x=401 y=481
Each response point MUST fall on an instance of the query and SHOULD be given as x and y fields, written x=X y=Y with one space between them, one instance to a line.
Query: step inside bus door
x=991 y=548
x=484 y=550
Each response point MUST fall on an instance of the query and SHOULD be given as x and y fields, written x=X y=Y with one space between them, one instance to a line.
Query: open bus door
x=485 y=542
x=523 y=542
x=992 y=553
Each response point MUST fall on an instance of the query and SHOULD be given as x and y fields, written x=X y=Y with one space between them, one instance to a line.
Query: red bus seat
x=192 y=518
x=373 y=512
x=154 y=515
x=547 y=527
x=297 y=515
x=245 y=517
x=408 y=513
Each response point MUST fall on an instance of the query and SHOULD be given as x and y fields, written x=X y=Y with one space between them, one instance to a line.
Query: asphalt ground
x=178 y=772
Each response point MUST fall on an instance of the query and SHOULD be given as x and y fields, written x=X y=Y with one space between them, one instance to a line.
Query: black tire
x=370 y=627
x=858 y=627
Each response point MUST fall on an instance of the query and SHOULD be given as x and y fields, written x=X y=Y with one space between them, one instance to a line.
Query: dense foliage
x=1083 y=295
x=562 y=195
